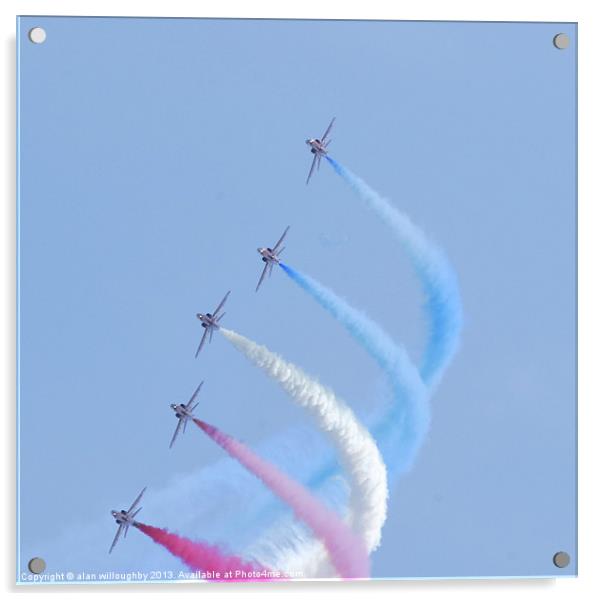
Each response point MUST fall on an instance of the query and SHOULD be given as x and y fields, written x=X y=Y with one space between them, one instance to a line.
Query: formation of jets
x=125 y=519
x=211 y=322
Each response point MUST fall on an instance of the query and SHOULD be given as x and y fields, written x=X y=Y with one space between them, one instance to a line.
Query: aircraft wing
x=328 y=130
x=202 y=342
x=137 y=500
x=175 y=434
x=194 y=395
x=265 y=269
x=221 y=304
x=275 y=248
x=313 y=165
x=117 y=535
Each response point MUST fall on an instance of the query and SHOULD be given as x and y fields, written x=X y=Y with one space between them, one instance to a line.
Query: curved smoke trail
x=222 y=480
x=347 y=551
x=356 y=448
x=402 y=429
x=211 y=560
x=444 y=309
x=438 y=279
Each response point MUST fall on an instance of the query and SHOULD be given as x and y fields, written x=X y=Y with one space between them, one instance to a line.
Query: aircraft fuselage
x=316 y=146
x=267 y=255
x=121 y=517
x=207 y=320
x=180 y=410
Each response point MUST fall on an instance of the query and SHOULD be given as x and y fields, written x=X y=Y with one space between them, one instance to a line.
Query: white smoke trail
x=355 y=447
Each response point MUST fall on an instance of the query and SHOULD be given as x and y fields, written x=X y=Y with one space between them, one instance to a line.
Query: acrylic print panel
x=397 y=400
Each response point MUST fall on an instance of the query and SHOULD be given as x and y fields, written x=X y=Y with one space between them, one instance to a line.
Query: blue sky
x=156 y=155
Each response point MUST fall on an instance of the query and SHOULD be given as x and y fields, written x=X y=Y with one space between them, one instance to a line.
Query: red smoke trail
x=210 y=560
x=347 y=550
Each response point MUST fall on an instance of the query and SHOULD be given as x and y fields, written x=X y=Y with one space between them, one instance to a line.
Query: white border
x=587 y=585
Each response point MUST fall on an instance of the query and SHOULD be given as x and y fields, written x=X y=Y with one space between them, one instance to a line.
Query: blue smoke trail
x=443 y=303
x=402 y=429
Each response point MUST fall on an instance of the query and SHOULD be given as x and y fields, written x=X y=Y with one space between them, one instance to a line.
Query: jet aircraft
x=319 y=148
x=125 y=519
x=210 y=322
x=270 y=256
x=184 y=413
